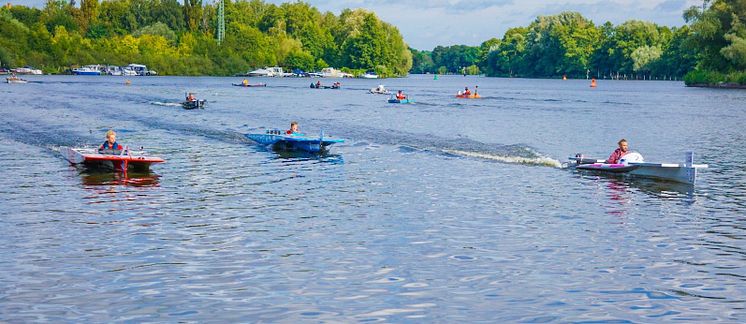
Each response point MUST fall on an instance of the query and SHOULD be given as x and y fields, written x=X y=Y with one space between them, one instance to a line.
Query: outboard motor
x=631 y=157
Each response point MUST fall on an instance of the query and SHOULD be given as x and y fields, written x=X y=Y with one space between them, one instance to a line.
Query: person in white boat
x=622 y=150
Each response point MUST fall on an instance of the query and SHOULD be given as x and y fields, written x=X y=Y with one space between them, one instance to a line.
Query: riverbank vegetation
x=568 y=44
x=719 y=34
x=180 y=39
x=709 y=50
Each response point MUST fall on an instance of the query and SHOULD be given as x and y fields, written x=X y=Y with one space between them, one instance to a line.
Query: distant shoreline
x=718 y=85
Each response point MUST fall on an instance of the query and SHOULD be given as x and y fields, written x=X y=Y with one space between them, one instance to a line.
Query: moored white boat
x=87 y=70
x=633 y=164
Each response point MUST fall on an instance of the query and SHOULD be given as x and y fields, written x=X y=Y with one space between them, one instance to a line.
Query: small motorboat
x=335 y=85
x=15 y=79
x=194 y=104
x=471 y=96
x=249 y=85
x=400 y=101
x=379 y=90
x=117 y=160
x=633 y=164
x=280 y=140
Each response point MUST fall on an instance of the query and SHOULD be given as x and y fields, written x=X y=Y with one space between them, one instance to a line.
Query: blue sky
x=426 y=24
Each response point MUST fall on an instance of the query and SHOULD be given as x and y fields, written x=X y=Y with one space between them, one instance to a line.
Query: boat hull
x=197 y=104
x=293 y=142
x=249 y=85
x=92 y=159
x=400 y=101
x=682 y=173
x=475 y=96
x=86 y=72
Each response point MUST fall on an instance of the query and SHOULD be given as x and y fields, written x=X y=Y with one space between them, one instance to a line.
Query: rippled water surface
x=445 y=210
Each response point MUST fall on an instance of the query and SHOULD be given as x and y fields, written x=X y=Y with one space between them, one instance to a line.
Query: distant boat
x=87 y=70
x=27 y=70
x=139 y=69
x=15 y=79
x=330 y=72
x=370 y=75
x=274 y=71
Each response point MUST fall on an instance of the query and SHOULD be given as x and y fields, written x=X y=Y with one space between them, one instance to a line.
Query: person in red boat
x=293 y=128
x=111 y=143
x=619 y=152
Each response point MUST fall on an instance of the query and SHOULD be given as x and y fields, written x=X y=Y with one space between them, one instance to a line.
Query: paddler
x=622 y=150
x=293 y=128
x=111 y=142
x=467 y=92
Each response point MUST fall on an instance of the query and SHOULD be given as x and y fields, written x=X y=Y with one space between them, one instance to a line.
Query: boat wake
x=166 y=104
x=531 y=158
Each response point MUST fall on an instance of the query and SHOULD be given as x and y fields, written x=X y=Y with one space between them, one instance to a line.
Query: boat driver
x=191 y=97
x=293 y=128
x=400 y=95
x=111 y=143
x=619 y=152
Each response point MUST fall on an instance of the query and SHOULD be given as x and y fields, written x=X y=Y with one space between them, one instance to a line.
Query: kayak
x=474 y=96
x=115 y=160
x=634 y=165
x=249 y=85
x=194 y=104
x=278 y=139
x=400 y=101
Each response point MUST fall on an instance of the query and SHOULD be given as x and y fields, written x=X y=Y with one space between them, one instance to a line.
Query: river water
x=445 y=210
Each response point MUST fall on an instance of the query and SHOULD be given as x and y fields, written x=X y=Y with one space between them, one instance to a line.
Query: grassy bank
x=704 y=78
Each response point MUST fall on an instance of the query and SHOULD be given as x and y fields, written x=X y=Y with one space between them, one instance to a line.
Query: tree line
x=568 y=44
x=180 y=39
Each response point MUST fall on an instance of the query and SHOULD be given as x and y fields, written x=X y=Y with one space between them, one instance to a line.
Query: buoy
x=564 y=77
x=435 y=77
x=593 y=83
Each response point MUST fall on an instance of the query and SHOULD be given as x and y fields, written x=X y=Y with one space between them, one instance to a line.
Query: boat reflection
x=623 y=193
x=133 y=179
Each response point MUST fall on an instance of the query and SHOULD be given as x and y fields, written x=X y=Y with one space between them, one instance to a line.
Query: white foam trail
x=543 y=161
x=170 y=104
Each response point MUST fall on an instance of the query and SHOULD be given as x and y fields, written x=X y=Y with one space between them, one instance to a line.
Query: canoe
x=632 y=164
x=473 y=96
x=194 y=104
x=400 y=101
x=249 y=85
x=278 y=139
x=113 y=160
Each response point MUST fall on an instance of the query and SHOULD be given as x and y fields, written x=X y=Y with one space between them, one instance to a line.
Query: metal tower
x=221 y=21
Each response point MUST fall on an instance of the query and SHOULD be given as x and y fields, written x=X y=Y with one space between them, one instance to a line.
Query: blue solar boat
x=278 y=139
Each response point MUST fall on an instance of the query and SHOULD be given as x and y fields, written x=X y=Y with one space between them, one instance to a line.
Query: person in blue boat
x=622 y=150
x=111 y=143
x=400 y=95
x=293 y=128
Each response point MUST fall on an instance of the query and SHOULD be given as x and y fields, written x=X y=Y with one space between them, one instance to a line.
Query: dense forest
x=175 y=38
x=711 y=48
